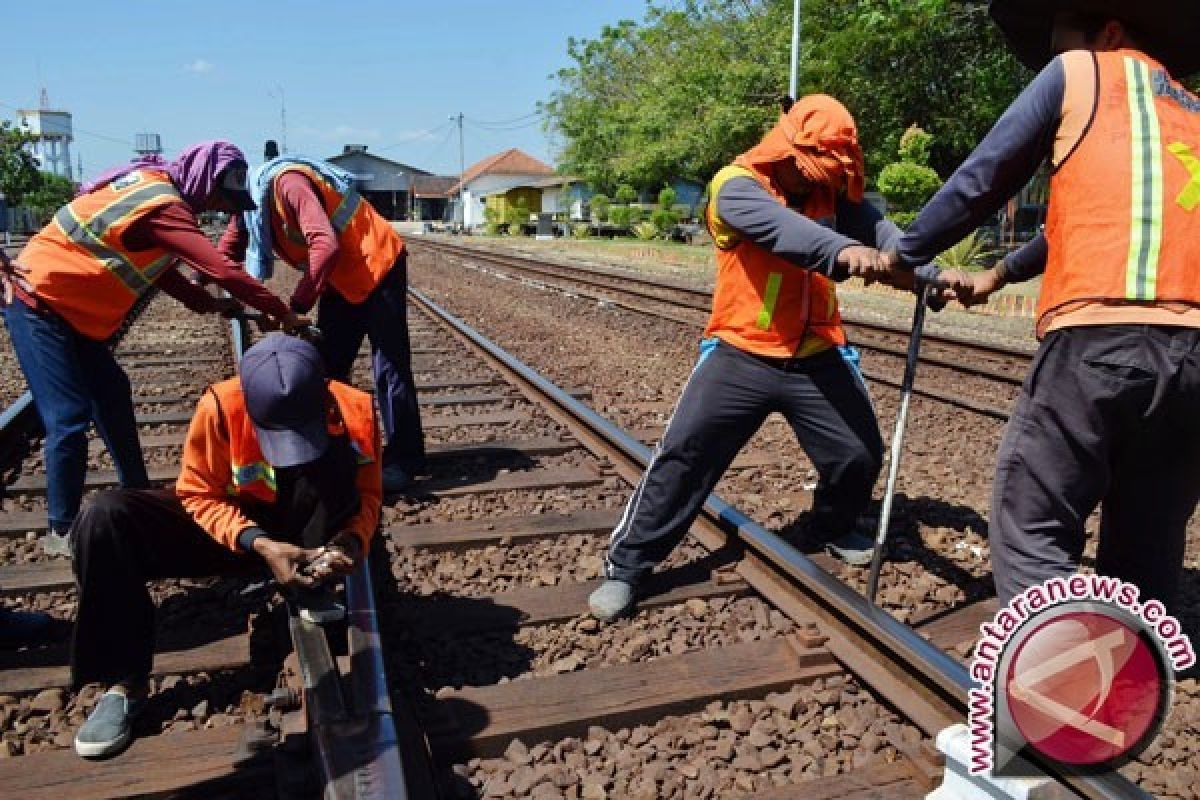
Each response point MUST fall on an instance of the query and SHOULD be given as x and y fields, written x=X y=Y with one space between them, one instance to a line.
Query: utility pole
x=792 y=85
x=462 y=171
x=282 y=114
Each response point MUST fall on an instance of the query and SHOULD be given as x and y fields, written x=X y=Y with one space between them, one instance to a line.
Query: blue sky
x=384 y=74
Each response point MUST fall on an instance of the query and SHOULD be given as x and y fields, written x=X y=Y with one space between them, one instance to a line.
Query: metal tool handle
x=910 y=374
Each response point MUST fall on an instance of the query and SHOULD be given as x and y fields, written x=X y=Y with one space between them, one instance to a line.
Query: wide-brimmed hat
x=1167 y=29
x=283 y=382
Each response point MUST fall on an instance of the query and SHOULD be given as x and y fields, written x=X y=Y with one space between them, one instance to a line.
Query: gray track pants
x=1108 y=414
x=727 y=398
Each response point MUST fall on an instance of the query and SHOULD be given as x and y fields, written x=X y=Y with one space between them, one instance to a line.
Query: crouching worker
x=788 y=220
x=280 y=473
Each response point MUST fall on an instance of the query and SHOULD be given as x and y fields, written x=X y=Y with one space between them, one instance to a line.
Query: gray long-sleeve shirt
x=749 y=209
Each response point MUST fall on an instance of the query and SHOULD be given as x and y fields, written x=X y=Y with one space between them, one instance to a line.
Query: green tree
x=626 y=194
x=52 y=193
x=18 y=169
x=681 y=92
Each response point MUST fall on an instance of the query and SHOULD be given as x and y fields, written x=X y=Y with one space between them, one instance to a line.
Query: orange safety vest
x=250 y=473
x=762 y=303
x=78 y=264
x=367 y=244
x=1122 y=224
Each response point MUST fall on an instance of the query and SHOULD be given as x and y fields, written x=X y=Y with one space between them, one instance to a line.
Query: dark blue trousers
x=383 y=317
x=75 y=381
x=1109 y=416
x=726 y=400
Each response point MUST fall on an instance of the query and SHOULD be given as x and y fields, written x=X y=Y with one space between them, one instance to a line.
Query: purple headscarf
x=194 y=172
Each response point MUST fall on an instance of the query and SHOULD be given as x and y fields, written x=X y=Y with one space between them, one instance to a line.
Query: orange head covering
x=820 y=136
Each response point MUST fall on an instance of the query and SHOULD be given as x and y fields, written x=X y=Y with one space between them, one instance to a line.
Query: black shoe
x=22 y=628
x=395 y=479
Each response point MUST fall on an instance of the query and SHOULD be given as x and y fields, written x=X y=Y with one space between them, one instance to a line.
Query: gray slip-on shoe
x=613 y=599
x=109 y=728
x=56 y=544
x=854 y=548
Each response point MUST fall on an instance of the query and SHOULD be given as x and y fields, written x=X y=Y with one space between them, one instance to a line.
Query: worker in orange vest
x=75 y=282
x=354 y=263
x=1108 y=413
x=788 y=220
x=280 y=473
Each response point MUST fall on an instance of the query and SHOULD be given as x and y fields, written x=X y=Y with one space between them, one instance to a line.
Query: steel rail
x=936 y=677
x=354 y=738
x=704 y=296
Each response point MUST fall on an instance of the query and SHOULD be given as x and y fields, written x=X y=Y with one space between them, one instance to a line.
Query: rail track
x=947 y=360
x=750 y=671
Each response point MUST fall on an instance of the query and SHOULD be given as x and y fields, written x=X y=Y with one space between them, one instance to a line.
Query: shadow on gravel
x=909 y=516
x=464 y=468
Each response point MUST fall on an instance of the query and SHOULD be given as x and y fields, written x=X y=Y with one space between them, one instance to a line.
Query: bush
x=636 y=215
x=915 y=145
x=626 y=194
x=910 y=182
x=664 y=219
x=908 y=186
x=646 y=231
x=581 y=230
x=620 y=216
x=903 y=218
x=667 y=197
x=600 y=207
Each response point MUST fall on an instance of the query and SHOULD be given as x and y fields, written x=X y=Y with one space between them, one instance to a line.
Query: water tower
x=147 y=144
x=54 y=133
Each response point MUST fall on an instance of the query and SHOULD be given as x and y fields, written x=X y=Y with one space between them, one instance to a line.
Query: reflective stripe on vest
x=245 y=476
x=345 y=211
x=770 y=299
x=1145 y=241
x=89 y=234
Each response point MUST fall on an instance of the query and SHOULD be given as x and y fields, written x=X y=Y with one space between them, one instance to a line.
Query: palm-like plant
x=971 y=254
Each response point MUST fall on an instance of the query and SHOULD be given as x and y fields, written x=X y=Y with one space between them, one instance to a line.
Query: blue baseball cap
x=283 y=382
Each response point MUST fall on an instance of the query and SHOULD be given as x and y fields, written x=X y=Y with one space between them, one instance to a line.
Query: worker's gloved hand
x=287 y=562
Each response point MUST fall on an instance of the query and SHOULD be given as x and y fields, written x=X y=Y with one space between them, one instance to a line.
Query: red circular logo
x=1085 y=688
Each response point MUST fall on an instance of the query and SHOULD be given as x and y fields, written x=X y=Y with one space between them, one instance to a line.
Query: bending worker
x=310 y=214
x=279 y=470
x=787 y=219
x=1108 y=412
x=74 y=283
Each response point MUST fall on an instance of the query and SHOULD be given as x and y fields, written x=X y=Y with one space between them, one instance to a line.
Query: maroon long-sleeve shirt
x=304 y=208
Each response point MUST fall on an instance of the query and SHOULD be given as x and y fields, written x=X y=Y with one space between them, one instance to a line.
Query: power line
x=428 y=132
x=502 y=122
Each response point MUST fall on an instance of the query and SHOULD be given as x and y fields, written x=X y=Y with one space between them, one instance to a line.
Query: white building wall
x=489 y=184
